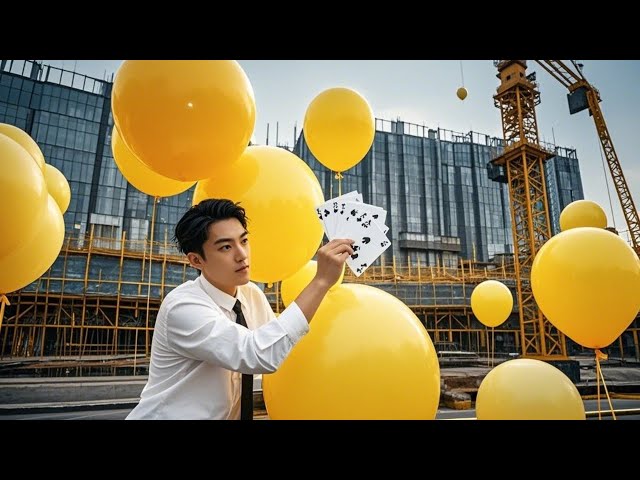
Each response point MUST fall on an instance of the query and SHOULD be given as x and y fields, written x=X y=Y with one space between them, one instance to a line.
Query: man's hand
x=331 y=258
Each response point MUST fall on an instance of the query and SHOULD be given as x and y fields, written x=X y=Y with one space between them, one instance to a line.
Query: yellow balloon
x=461 y=93
x=141 y=176
x=24 y=140
x=58 y=187
x=586 y=281
x=33 y=258
x=366 y=356
x=582 y=213
x=184 y=118
x=339 y=128
x=279 y=193
x=23 y=195
x=528 y=389
x=491 y=302
x=294 y=285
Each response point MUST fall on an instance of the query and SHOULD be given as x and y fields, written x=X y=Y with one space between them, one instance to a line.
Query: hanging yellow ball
x=462 y=93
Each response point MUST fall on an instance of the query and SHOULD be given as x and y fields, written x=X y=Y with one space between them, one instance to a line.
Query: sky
x=424 y=92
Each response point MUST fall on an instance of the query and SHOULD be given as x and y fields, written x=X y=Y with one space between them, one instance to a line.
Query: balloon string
x=461 y=73
x=339 y=177
x=488 y=348
x=3 y=302
x=603 y=356
x=493 y=346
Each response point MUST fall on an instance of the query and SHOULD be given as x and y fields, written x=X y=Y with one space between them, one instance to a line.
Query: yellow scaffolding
x=107 y=320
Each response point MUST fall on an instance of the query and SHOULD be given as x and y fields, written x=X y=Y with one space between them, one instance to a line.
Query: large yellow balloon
x=23 y=195
x=279 y=193
x=491 y=302
x=33 y=258
x=339 y=128
x=25 y=140
x=141 y=176
x=528 y=389
x=461 y=93
x=582 y=213
x=587 y=283
x=294 y=285
x=184 y=118
x=366 y=356
x=58 y=187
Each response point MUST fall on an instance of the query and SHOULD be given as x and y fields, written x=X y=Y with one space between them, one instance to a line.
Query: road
x=443 y=414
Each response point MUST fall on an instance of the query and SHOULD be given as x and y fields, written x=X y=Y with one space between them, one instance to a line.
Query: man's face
x=226 y=251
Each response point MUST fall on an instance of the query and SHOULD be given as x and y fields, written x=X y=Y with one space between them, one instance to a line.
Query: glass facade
x=441 y=204
x=435 y=186
x=69 y=116
x=564 y=183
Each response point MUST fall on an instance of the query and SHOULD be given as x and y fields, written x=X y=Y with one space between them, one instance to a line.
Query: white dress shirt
x=199 y=352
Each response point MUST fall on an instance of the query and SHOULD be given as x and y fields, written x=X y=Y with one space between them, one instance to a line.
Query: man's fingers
x=338 y=241
x=341 y=248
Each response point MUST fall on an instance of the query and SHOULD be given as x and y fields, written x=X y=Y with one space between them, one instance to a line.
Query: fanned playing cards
x=347 y=217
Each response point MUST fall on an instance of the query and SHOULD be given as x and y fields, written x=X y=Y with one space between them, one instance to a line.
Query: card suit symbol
x=354 y=256
x=365 y=240
x=326 y=213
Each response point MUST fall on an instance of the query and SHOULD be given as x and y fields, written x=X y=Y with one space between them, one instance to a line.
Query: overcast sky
x=424 y=92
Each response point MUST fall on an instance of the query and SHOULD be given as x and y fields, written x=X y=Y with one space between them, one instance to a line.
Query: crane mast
x=521 y=166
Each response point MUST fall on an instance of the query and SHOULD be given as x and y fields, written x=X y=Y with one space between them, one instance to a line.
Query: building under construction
x=93 y=311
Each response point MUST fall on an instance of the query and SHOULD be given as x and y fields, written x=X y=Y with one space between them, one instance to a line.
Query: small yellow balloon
x=491 y=302
x=58 y=187
x=461 y=93
x=25 y=141
x=339 y=128
x=366 y=356
x=280 y=194
x=23 y=195
x=294 y=285
x=34 y=257
x=141 y=176
x=528 y=389
x=184 y=118
x=586 y=281
x=582 y=213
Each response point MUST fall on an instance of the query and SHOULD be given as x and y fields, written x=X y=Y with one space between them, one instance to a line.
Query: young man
x=202 y=357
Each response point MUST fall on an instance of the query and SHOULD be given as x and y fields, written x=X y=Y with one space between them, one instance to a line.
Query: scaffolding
x=97 y=305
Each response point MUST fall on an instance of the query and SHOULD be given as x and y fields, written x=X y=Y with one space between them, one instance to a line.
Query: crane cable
x=606 y=182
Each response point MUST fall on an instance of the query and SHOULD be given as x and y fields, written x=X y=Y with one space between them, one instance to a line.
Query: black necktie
x=246 y=405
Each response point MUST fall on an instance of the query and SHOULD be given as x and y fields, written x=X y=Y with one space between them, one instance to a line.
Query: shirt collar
x=221 y=298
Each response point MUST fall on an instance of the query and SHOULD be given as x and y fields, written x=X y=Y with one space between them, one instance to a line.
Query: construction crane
x=583 y=95
x=521 y=166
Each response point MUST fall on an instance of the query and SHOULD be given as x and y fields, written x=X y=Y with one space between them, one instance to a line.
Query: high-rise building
x=435 y=185
x=69 y=116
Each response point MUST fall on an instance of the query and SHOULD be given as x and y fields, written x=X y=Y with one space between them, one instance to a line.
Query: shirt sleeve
x=199 y=331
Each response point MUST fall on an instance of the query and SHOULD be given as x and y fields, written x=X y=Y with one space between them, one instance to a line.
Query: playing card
x=369 y=243
x=347 y=216
x=328 y=210
x=360 y=213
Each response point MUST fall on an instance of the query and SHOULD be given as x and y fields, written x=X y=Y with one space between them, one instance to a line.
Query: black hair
x=193 y=228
